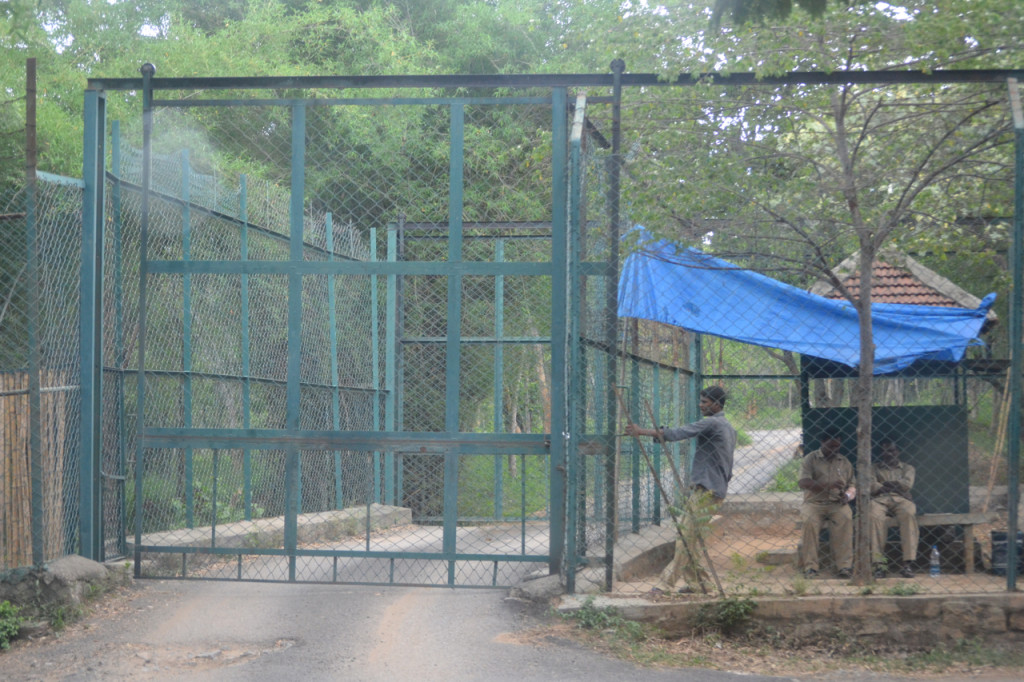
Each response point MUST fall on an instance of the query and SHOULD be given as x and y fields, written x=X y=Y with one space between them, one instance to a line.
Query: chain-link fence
x=387 y=344
x=813 y=497
x=376 y=338
x=39 y=372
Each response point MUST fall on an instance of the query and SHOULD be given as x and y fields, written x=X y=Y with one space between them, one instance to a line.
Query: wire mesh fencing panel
x=235 y=345
x=935 y=481
x=216 y=358
x=752 y=178
x=40 y=419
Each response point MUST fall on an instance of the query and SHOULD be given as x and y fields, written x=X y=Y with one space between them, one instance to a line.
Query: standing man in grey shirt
x=710 y=473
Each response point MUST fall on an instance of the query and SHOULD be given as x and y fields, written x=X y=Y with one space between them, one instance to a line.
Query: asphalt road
x=170 y=630
x=754 y=465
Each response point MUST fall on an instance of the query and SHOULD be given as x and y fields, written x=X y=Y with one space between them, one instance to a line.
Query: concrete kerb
x=912 y=621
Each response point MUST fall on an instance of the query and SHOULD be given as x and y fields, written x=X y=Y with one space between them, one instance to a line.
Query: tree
x=760 y=11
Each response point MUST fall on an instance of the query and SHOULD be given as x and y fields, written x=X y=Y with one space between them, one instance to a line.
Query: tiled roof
x=896 y=285
x=898 y=278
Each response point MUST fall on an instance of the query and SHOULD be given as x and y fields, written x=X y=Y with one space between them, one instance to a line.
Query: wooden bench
x=966 y=521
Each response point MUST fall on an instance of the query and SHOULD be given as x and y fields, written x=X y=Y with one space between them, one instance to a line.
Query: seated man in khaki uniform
x=826 y=477
x=891 y=481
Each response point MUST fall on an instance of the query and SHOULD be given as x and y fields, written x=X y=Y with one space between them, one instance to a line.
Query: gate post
x=1016 y=331
x=559 y=284
x=90 y=328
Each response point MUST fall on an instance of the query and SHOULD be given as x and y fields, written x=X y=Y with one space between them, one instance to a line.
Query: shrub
x=10 y=623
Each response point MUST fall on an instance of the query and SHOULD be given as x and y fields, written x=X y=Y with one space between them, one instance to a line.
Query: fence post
x=90 y=328
x=32 y=300
x=1016 y=330
x=559 y=284
x=575 y=489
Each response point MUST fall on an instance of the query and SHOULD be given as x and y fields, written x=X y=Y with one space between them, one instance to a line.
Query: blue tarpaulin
x=698 y=292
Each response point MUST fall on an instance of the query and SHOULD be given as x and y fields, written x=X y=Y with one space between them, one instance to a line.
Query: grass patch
x=607 y=620
x=725 y=616
x=903 y=589
x=524 y=486
x=785 y=478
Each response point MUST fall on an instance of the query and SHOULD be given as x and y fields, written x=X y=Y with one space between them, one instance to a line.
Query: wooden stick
x=679 y=482
x=664 y=494
x=1002 y=415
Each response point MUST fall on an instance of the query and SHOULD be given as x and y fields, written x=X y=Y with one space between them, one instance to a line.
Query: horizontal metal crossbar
x=558 y=80
x=287 y=267
x=346 y=553
x=405 y=442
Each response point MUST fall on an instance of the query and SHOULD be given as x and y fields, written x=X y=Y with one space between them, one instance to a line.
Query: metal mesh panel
x=40 y=416
x=400 y=423
x=943 y=419
x=220 y=348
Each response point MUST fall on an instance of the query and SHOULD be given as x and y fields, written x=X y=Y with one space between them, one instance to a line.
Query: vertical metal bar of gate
x=499 y=377
x=332 y=324
x=186 y=334
x=140 y=392
x=658 y=449
x=243 y=215
x=292 y=472
x=120 y=356
x=391 y=356
x=389 y=455
x=454 y=328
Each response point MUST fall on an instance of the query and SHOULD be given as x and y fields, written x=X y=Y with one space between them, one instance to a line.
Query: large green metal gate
x=350 y=315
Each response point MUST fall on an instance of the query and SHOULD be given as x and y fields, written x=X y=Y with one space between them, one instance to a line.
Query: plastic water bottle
x=934 y=569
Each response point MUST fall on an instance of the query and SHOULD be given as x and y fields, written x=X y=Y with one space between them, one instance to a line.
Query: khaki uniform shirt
x=821 y=470
x=901 y=473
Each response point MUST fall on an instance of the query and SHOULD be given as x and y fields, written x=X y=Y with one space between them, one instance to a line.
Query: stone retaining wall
x=913 y=622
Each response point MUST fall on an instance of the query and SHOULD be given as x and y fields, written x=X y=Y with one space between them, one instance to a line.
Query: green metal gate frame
x=450 y=442
x=564 y=347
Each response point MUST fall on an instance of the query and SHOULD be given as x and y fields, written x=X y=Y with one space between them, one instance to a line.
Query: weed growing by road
x=10 y=623
x=903 y=589
x=607 y=620
x=724 y=616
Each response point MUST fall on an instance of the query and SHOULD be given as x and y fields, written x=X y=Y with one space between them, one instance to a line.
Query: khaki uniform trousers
x=840 y=518
x=905 y=512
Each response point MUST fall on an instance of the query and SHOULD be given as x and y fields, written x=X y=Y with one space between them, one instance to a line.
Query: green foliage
x=759 y=11
x=903 y=589
x=606 y=619
x=724 y=616
x=785 y=479
x=164 y=497
x=801 y=585
x=10 y=623
x=523 y=478
x=61 y=615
